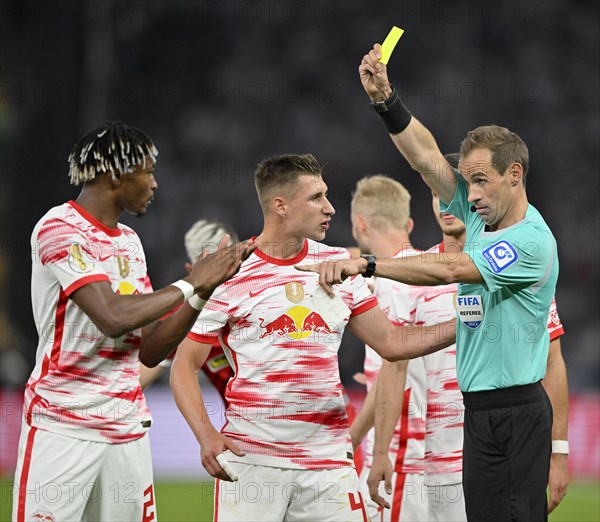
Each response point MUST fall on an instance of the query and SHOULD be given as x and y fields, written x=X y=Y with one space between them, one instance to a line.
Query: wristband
x=371 y=265
x=560 y=446
x=394 y=115
x=185 y=287
x=196 y=302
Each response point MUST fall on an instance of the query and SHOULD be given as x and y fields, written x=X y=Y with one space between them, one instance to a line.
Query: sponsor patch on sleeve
x=500 y=256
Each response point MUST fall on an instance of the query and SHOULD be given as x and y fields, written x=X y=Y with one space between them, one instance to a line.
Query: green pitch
x=192 y=501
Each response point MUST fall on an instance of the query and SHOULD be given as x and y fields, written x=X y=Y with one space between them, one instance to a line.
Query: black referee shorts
x=506 y=454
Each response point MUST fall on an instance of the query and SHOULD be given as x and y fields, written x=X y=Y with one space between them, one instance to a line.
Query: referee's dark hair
x=112 y=147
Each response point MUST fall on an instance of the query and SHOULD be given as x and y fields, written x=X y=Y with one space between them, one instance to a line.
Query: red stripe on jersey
x=397 y=497
x=555 y=334
x=284 y=262
x=116 y=438
x=128 y=395
x=403 y=432
x=113 y=232
x=25 y=475
x=217 y=488
x=204 y=339
x=401 y=477
x=84 y=281
x=333 y=419
x=371 y=302
x=59 y=327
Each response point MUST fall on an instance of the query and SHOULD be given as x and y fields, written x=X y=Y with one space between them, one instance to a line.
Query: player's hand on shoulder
x=373 y=75
x=212 y=269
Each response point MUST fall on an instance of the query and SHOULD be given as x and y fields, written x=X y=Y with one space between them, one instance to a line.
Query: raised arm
x=411 y=137
x=395 y=343
x=186 y=390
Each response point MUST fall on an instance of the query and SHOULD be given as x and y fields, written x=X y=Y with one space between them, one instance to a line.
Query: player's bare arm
x=555 y=384
x=189 y=358
x=415 y=142
x=395 y=343
x=116 y=314
x=364 y=420
x=389 y=397
x=421 y=270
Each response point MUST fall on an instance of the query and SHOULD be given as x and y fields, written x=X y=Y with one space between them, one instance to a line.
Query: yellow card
x=389 y=43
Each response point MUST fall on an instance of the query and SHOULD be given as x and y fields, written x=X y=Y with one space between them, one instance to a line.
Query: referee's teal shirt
x=502 y=335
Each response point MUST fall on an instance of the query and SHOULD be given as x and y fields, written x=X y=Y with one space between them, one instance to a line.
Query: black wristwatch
x=383 y=106
x=371 y=265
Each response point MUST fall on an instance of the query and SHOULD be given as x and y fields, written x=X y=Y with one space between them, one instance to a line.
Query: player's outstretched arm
x=421 y=270
x=410 y=136
x=396 y=343
x=189 y=358
x=555 y=384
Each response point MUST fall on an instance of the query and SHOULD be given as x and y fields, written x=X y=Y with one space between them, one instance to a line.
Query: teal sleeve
x=459 y=206
x=524 y=256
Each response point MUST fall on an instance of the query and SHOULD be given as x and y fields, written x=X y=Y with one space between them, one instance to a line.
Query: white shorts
x=446 y=503
x=407 y=501
x=275 y=494
x=61 y=479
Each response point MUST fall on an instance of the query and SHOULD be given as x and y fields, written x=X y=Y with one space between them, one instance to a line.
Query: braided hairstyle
x=112 y=147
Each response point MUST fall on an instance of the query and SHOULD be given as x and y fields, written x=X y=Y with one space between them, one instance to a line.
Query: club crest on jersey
x=297 y=323
x=500 y=256
x=294 y=292
x=123 y=264
x=470 y=310
x=76 y=261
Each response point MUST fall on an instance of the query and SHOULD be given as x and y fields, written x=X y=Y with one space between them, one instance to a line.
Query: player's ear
x=410 y=225
x=360 y=222
x=280 y=206
x=516 y=173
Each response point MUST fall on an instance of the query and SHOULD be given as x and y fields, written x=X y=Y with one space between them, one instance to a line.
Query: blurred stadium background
x=219 y=85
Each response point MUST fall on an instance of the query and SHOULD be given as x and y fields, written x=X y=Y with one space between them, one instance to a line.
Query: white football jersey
x=84 y=384
x=286 y=407
x=399 y=302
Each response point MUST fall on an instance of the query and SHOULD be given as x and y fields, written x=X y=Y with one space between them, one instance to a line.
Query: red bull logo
x=297 y=323
x=42 y=516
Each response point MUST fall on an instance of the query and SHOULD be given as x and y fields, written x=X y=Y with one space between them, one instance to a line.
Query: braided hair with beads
x=112 y=147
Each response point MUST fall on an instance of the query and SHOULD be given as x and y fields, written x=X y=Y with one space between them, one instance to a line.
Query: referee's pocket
x=501 y=428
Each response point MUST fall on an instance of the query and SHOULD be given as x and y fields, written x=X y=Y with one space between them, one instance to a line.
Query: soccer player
x=286 y=443
x=381 y=225
x=83 y=452
x=508 y=274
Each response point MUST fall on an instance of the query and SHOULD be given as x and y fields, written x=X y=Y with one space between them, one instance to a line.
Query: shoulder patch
x=500 y=256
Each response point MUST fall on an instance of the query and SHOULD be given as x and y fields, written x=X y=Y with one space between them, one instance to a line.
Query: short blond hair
x=383 y=200
x=206 y=234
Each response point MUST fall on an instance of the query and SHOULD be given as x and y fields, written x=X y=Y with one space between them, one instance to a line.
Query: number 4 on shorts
x=354 y=505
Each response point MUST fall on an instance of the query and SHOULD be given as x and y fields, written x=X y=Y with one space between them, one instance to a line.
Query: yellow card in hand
x=389 y=43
